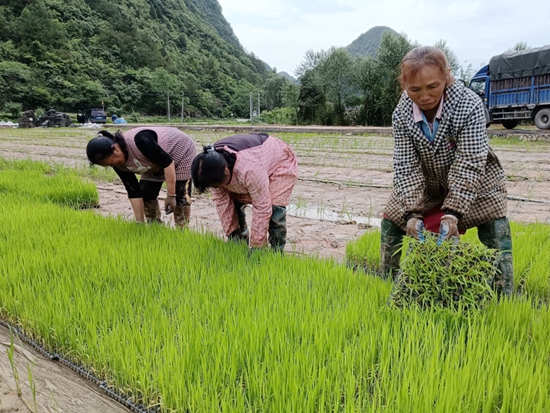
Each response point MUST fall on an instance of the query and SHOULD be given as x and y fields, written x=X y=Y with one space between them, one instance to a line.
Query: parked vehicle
x=52 y=118
x=516 y=86
x=96 y=115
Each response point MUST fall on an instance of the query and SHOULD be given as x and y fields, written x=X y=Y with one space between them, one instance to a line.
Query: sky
x=281 y=31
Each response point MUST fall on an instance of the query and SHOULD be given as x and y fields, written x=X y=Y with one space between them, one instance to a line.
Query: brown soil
x=344 y=181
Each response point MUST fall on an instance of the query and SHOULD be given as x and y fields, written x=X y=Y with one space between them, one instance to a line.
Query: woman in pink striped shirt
x=157 y=154
x=255 y=169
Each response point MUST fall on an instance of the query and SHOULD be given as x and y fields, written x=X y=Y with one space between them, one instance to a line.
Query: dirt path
x=344 y=184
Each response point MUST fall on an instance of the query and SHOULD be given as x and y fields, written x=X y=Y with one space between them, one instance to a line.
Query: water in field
x=326 y=214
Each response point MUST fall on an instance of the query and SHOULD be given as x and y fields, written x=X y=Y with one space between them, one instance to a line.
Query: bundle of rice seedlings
x=453 y=275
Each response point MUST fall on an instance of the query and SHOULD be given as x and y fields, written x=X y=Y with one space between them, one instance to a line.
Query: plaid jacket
x=263 y=176
x=459 y=170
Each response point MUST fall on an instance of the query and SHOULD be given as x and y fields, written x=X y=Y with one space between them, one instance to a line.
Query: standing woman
x=255 y=169
x=158 y=154
x=444 y=167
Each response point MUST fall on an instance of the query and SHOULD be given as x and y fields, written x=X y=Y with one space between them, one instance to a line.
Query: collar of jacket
x=453 y=94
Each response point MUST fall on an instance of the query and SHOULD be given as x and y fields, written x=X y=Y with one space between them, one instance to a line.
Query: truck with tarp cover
x=515 y=86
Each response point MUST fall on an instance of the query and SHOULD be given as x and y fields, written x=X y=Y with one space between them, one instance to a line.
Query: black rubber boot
x=277 y=228
x=496 y=234
x=391 y=240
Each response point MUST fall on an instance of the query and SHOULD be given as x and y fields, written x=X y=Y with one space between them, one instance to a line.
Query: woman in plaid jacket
x=444 y=167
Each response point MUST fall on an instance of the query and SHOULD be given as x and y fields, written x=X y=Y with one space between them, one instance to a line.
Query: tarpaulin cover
x=530 y=62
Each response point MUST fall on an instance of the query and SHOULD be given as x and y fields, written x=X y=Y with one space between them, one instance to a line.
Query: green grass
x=186 y=322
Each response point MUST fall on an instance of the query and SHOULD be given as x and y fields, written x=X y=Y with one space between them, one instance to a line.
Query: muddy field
x=344 y=183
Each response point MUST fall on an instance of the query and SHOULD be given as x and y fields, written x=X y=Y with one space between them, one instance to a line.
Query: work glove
x=169 y=204
x=415 y=227
x=448 y=229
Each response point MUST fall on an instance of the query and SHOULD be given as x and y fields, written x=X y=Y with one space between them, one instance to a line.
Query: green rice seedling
x=53 y=183
x=11 y=350
x=364 y=253
x=32 y=385
x=451 y=275
x=182 y=321
x=530 y=247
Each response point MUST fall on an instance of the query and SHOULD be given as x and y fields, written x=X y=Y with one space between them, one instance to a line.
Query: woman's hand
x=415 y=226
x=448 y=229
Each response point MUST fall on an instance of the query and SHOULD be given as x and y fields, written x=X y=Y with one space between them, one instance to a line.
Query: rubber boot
x=277 y=228
x=391 y=240
x=241 y=215
x=182 y=213
x=152 y=211
x=496 y=234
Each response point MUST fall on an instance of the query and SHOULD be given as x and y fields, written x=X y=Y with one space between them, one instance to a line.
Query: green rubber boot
x=496 y=234
x=391 y=240
x=277 y=228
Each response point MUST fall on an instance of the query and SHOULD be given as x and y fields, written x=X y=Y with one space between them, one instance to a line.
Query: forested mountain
x=369 y=42
x=127 y=55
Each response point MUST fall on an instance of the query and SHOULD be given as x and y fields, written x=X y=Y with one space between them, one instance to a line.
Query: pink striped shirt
x=174 y=142
x=262 y=176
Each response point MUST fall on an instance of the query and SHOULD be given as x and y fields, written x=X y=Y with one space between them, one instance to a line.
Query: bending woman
x=255 y=169
x=444 y=166
x=158 y=154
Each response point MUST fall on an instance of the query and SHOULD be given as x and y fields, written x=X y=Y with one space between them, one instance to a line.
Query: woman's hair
x=208 y=167
x=101 y=147
x=419 y=57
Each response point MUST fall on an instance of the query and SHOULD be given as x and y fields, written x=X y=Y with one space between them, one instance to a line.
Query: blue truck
x=515 y=86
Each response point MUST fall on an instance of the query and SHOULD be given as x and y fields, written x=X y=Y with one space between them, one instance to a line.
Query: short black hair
x=208 y=167
x=101 y=147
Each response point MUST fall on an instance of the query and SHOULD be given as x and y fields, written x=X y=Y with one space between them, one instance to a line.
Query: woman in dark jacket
x=444 y=167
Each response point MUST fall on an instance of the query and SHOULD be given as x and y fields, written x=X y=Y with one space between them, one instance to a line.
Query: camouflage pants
x=391 y=240
x=152 y=211
x=182 y=211
x=494 y=234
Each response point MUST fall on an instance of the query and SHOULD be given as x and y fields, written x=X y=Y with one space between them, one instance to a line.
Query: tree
x=453 y=61
x=291 y=94
x=392 y=51
x=272 y=91
x=365 y=78
x=518 y=47
x=335 y=76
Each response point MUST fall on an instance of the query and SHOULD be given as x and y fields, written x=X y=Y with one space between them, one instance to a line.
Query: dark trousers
x=494 y=234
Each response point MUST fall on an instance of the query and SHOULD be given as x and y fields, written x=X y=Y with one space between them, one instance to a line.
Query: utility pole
x=182 y=103
x=168 y=106
x=259 y=104
x=250 y=107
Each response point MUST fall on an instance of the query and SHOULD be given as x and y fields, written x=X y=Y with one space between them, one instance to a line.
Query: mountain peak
x=368 y=42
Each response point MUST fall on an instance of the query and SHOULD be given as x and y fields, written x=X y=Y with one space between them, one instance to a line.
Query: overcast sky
x=281 y=31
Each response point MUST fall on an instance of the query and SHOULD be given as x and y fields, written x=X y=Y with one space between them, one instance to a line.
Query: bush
x=14 y=109
x=279 y=116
